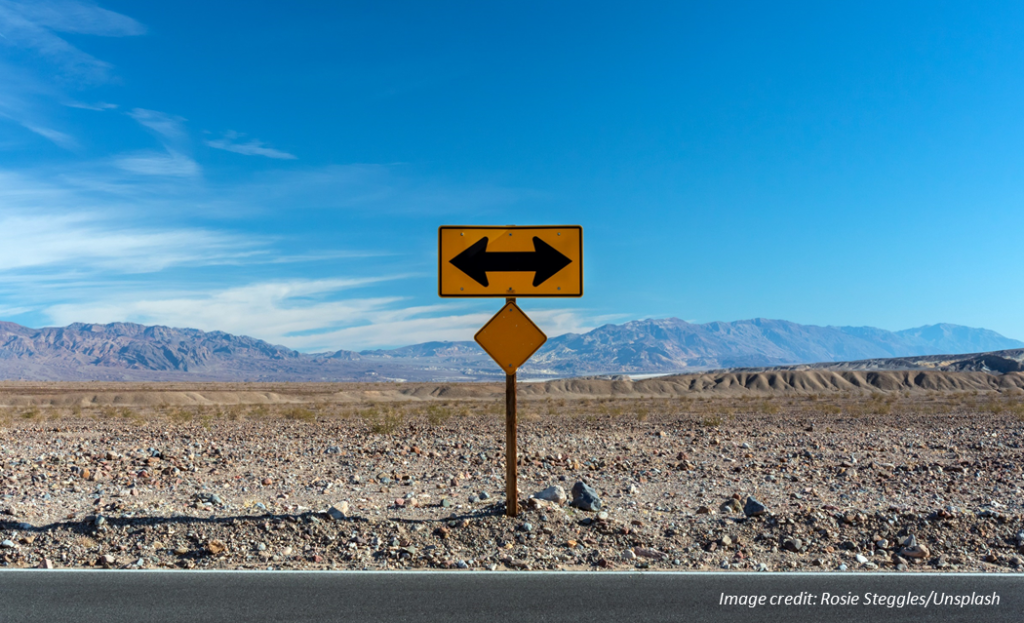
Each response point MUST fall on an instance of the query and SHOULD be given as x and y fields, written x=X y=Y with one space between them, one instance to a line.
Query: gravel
x=932 y=492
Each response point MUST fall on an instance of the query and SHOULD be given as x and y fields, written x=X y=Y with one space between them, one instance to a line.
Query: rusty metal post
x=511 y=469
x=511 y=486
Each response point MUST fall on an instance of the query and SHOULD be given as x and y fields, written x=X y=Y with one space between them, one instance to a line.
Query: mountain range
x=133 y=352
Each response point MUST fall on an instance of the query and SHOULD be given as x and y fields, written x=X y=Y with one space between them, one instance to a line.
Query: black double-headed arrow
x=544 y=261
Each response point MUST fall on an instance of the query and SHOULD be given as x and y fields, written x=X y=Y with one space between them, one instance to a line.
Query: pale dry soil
x=847 y=478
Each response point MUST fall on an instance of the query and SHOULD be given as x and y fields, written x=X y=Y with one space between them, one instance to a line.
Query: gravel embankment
x=925 y=489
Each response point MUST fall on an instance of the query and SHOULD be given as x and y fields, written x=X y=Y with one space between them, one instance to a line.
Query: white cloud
x=170 y=128
x=98 y=106
x=58 y=138
x=171 y=163
x=32 y=25
x=230 y=142
x=273 y=311
x=78 y=17
x=87 y=242
x=301 y=314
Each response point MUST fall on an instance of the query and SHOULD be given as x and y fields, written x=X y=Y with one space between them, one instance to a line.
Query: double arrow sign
x=543 y=261
x=510 y=262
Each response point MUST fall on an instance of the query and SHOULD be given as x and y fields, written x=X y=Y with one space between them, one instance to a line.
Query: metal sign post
x=542 y=261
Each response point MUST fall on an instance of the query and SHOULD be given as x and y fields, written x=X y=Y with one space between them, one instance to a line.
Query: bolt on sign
x=510 y=262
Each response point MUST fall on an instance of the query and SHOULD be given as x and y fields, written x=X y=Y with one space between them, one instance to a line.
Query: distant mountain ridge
x=133 y=352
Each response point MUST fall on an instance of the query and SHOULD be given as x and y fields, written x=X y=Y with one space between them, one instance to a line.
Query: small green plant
x=30 y=413
x=437 y=415
x=831 y=409
x=384 y=421
x=711 y=421
x=642 y=414
x=300 y=413
x=767 y=407
x=180 y=416
x=993 y=406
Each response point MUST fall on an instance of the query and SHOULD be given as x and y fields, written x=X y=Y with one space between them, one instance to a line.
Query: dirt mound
x=712 y=383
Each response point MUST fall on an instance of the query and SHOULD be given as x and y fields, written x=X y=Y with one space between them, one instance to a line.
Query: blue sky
x=279 y=170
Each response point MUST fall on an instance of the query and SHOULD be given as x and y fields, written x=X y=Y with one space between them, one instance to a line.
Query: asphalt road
x=522 y=597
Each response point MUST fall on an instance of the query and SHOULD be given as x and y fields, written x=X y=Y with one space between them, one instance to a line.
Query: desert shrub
x=383 y=421
x=299 y=413
x=180 y=416
x=767 y=407
x=831 y=409
x=711 y=421
x=642 y=413
x=993 y=406
x=30 y=413
x=437 y=415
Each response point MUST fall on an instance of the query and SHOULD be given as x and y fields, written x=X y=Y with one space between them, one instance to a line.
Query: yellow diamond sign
x=510 y=338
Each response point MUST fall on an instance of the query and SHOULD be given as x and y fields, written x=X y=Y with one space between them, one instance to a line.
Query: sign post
x=511 y=261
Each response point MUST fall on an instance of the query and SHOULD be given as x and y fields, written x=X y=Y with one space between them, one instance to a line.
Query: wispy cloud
x=231 y=141
x=169 y=128
x=307 y=315
x=276 y=311
x=52 y=63
x=170 y=131
x=98 y=106
x=33 y=26
x=85 y=242
x=169 y=163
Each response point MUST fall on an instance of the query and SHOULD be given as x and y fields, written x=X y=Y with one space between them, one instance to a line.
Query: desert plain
x=811 y=470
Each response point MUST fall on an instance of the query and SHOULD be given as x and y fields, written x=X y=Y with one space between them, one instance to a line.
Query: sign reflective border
x=510 y=261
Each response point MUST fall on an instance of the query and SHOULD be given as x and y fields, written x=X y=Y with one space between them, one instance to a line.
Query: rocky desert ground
x=795 y=471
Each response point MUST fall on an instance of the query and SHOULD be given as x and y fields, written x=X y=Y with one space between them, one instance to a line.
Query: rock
x=861 y=558
x=633 y=489
x=584 y=497
x=602 y=516
x=526 y=527
x=650 y=552
x=180 y=551
x=106 y=560
x=473 y=499
x=446 y=502
x=629 y=555
x=705 y=510
x=843 y=567
x=793 y=545
x=7 y=544
x=554 y=494
x=732 y=505
x=338 y=511
x=915 y=551
x=462 y=564
x=216 y=547
x=726 y=540
x=753 y=508
x=46 y=564
x=910 y=541
x=484 y=495
x=267 y=482
x=882 y=544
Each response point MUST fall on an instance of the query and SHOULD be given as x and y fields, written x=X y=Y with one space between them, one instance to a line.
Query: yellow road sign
x=511 y=261
x=510 y=338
